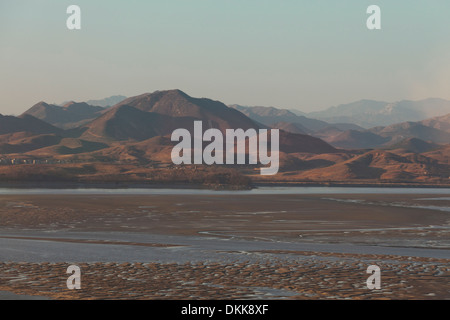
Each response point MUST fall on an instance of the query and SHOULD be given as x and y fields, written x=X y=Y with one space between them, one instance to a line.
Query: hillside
x=125 y=122
x=131 y=142
x=291 y=127
x=414 y=145
x=159 y=114
x=353 y=139
x=401 y=131
x=381 y=166
x=441 y=123
x=25 y=123
x=70 y=115
x=270 y=116
x=107 y=102
x=177 y=104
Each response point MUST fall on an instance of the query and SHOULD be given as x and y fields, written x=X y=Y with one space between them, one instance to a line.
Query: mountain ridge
x=133 y=137
x=372 y=113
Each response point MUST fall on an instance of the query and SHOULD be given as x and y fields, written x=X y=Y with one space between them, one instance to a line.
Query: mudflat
x=226 y=246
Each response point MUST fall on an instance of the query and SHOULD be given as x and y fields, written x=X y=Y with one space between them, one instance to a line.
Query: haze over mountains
x=107 y=102
x=271 y=115
x=364 y=114
x=352 y=136
x=370 y=113
x=137 y=130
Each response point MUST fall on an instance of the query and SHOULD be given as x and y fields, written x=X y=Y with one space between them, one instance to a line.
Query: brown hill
x=71 y=115
x=295 y=143
x=271 y=115
x=414 y=145
x=134 y=136
x=291 y=127
x=352 y=139
x=159 y=114
x=68 y=146
x=175 y=103
x=12 y=137
x=25 y=123
x=441 y=155
x=380 y=165
x=125 y=122
x=401 y=131
x=266 y=115
x=326 y=134
x=137 y=128
x=441 y=123
x=154 y=149
x=30 y=143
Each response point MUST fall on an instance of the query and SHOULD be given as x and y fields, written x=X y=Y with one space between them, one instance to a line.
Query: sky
x=294 y=54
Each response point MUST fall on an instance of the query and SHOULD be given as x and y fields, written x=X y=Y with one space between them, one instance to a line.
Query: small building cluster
x=16 y=161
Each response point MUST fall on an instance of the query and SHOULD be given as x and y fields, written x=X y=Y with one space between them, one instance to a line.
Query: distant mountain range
x=415 y=145
x=159 y=114
x=70 y=115
x=370 y=113
x=364 y=114
x=381 y=165
x=107 y=102
x=25 y=123
x=404 y=130
x=270 y=116
x=351 y=136
x=80 y=127
x=137 y=130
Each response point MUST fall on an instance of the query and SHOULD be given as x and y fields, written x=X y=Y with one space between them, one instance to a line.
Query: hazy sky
x=300 y=54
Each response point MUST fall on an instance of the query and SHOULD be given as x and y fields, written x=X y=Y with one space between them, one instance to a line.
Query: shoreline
x=143 y=185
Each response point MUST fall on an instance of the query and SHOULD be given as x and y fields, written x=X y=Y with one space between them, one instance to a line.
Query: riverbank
x=193 y=186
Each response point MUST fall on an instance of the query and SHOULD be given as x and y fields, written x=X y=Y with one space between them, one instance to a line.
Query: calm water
x=262 y=190
x=193 y=249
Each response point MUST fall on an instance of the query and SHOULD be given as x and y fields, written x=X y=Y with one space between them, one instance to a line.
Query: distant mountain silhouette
x=378 y=165
x=70 y=115
x=291 y=127
x=25 y=123
x=401 y=131
x=176 y=103
x=352 y=139
x=292 y=143
x=160 y=113
x=415 y=145
x=126 y=122
x=441 y=123
x=107 y=102
x=136 y=131
x=271 y=115
x=370 y=113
